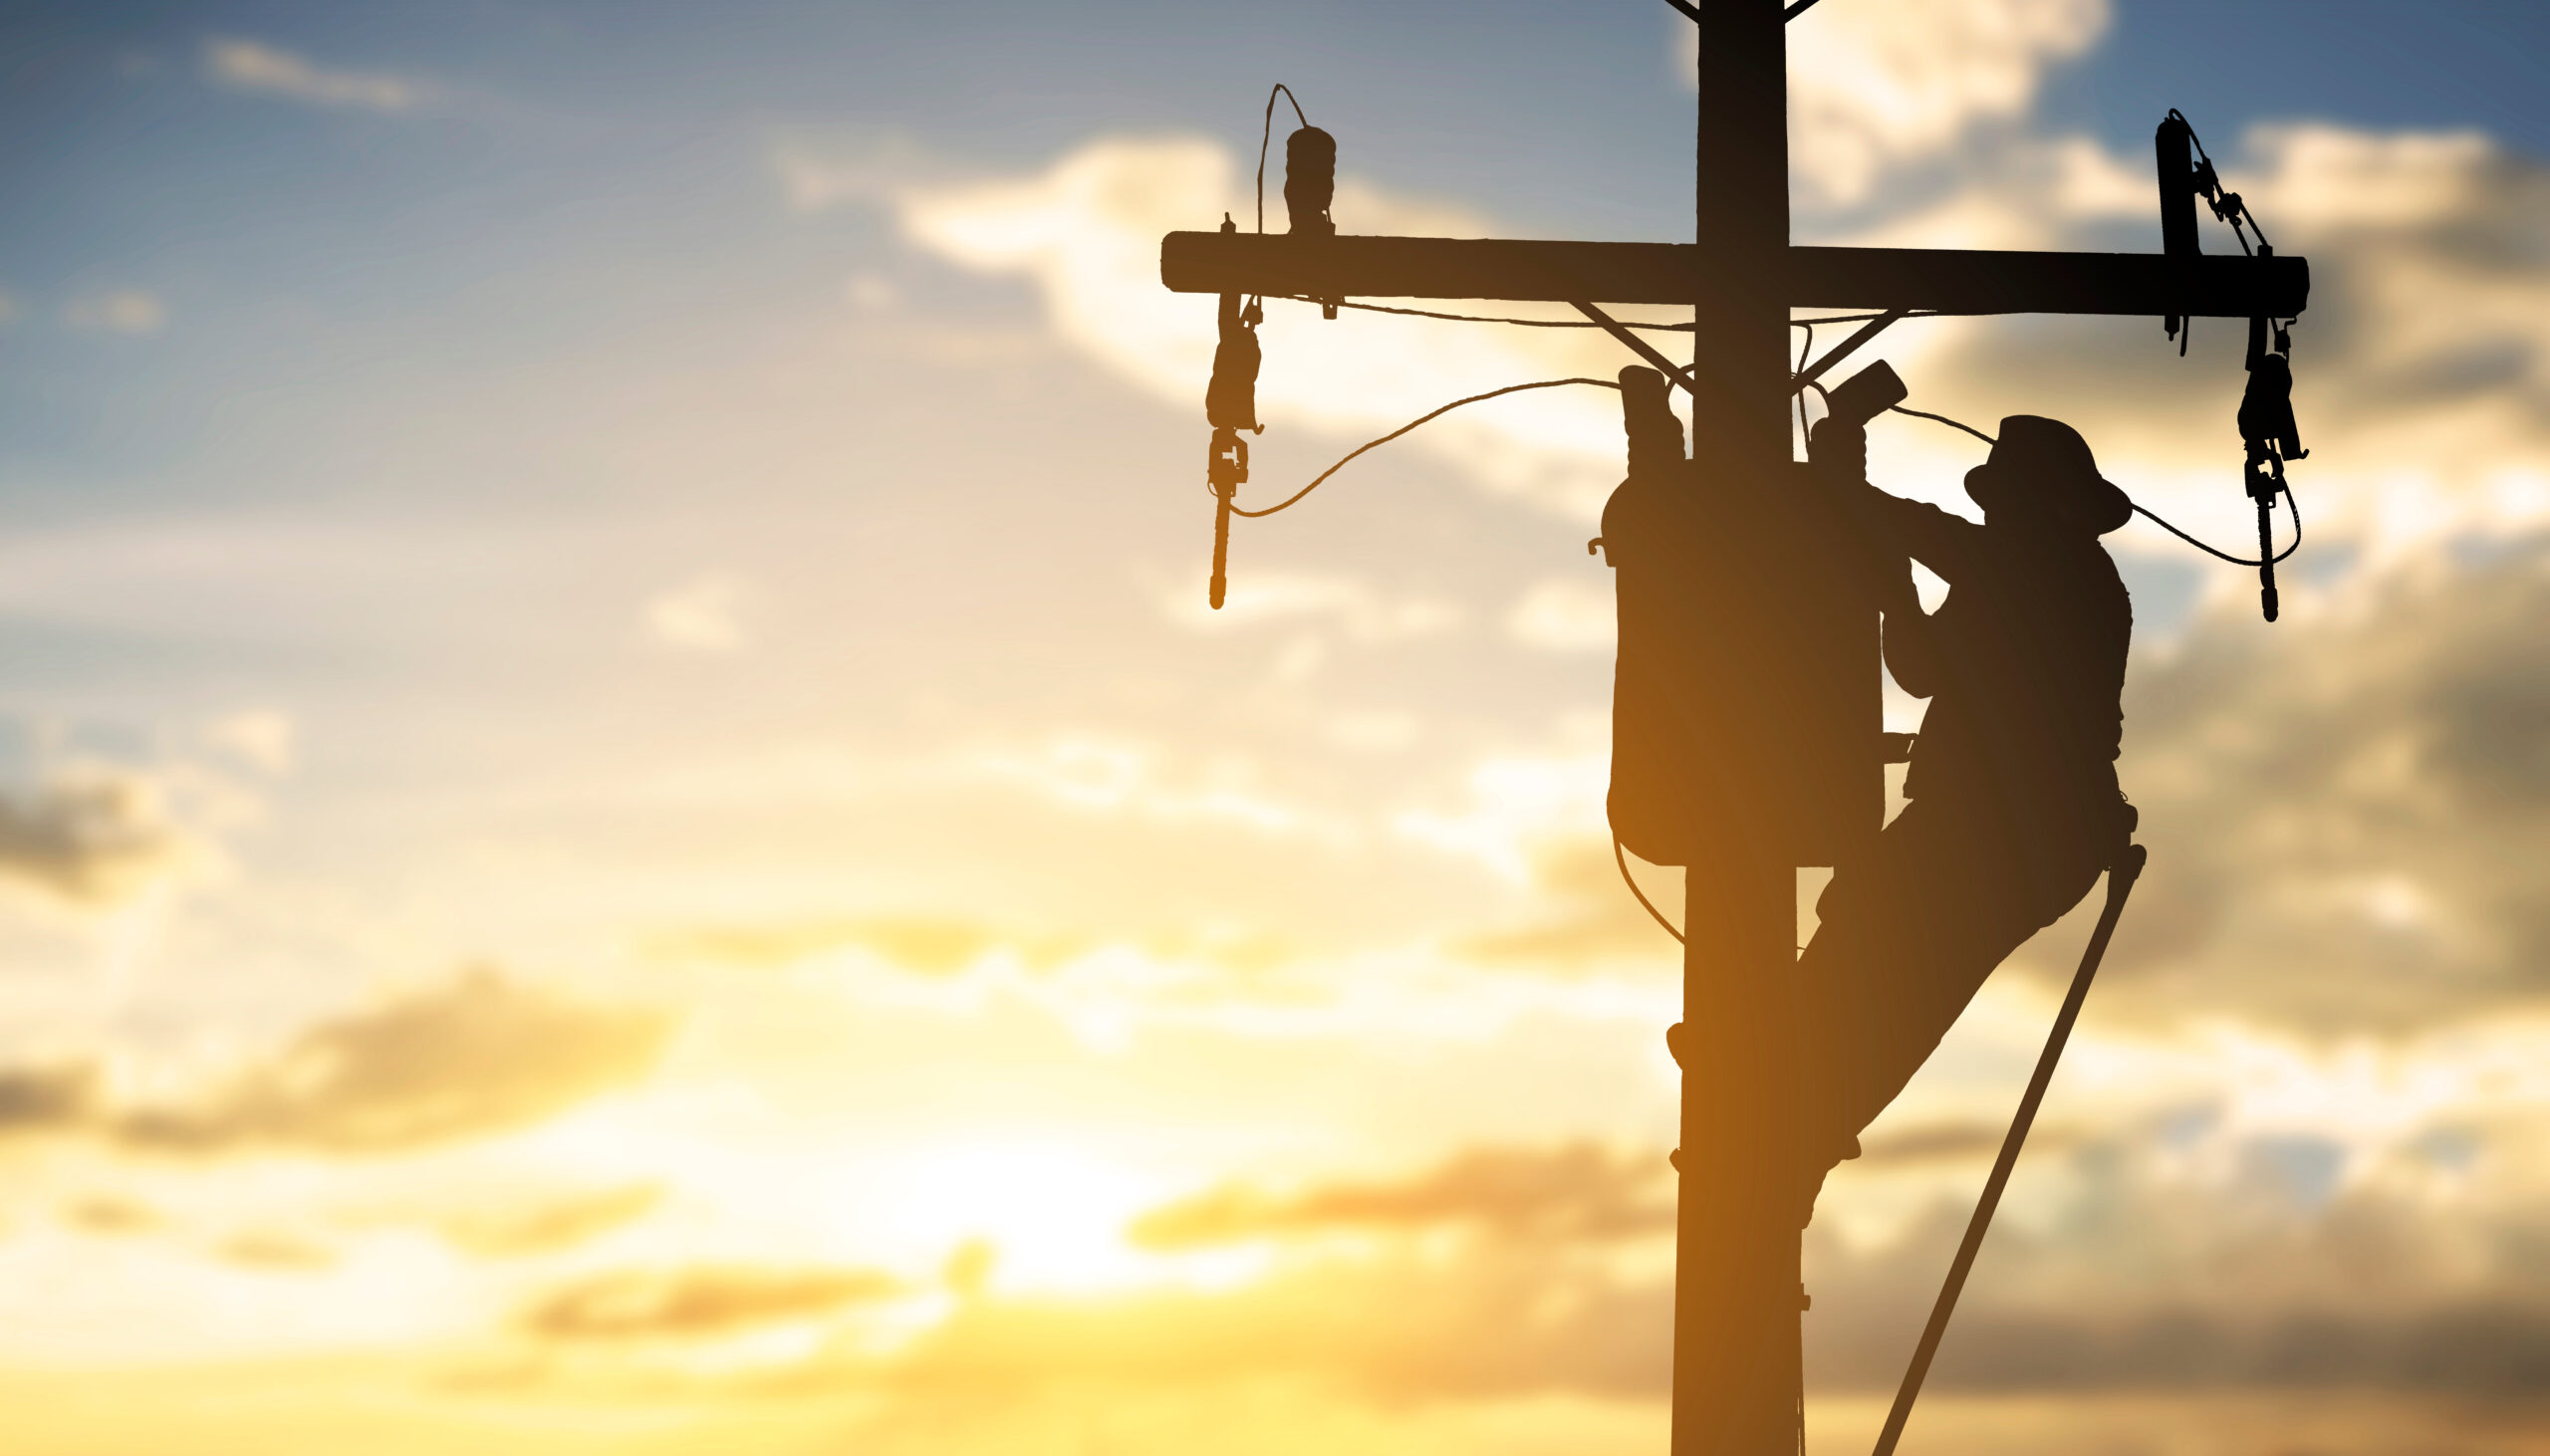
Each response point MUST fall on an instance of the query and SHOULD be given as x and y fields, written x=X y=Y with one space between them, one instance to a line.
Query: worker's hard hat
x=2042 y=466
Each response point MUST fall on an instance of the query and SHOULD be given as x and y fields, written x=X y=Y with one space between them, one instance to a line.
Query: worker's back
x=2028 y=659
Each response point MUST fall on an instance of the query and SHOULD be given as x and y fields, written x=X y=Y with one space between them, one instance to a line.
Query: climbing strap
x=2121 y=878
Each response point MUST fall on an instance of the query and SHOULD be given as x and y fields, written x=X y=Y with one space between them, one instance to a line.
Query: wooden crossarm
x=1953 y=281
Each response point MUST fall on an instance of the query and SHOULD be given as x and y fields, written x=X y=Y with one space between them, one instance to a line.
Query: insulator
x=1310 y=180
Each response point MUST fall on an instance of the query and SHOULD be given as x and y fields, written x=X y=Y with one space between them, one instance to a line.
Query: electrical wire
x=2292 y=506
x=1944 y=419
x=1878 y=314
x=1804 y=348
x=1323 y=476
x=1620 y=857
x=2238 y=560
x=1481 y=317
x=1267 y=135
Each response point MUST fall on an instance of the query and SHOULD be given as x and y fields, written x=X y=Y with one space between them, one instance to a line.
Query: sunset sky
x=623 y=827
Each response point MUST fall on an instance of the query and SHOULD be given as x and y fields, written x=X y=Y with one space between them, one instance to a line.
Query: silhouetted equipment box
x=1747 y=706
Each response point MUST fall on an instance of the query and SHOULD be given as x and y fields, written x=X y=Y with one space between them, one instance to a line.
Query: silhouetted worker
x=2013 y=804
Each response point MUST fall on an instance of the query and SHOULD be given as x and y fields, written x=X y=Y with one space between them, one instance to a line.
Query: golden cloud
x=94 y=836
x=550 y=1225
x=1874 y=87
x=1579 y=1190
x=477 y=1056
x=2346 y=819
x=703 y=1302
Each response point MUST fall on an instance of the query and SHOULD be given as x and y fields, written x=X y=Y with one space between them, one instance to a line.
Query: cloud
x=1495 y=1319
x=702 y=1303
x=1359 y=612
x=275 y=1251
x=263 y=70
x=474 y=1056
x=873 y=168
x=1086 y=231
x=2136 y=1273
x=1874 y=86
x=2423 y=363
x=933 y=945
x=47 y=1097
x=2421 y=366
x=1519 y=807
x=1589 y=919
x=1566 y=615
x=704 y=614
x=113 y=1215
x=94 y=837
x=260 y=738
x=1577 y=1191
x=2347 y=817
x=551 y=1225
x=127 y=311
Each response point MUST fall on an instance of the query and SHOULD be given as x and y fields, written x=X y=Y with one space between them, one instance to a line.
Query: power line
x=1267 y=135
x=2292 y=506
x=1480 y=318
x=1323 y=476
x=1620 y=857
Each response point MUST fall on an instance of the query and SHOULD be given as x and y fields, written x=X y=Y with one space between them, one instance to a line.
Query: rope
x=1323 y=476
x=2121 y=878
x=1620 y=857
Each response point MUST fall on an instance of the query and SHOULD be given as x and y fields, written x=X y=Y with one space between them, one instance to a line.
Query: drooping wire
x=1620 y=857
x=1267 y=135
x=1323 y=476
x=1804 y=348
x=2292 y=506
x=1878 y=313
x=1944 y=419
x=2240 y=561
x=1653 y=328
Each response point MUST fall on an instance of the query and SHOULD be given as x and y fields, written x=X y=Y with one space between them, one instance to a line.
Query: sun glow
x=1052 y=1215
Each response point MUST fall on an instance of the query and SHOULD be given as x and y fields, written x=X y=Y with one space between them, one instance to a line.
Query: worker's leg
x=1906 y=937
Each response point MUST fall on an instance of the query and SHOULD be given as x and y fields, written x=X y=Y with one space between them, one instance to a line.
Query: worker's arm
x=1942 y=542
x=1899 y=531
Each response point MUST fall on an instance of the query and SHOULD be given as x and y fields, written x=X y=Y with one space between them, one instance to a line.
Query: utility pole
x=1801 y=754
x=1737 y=1297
